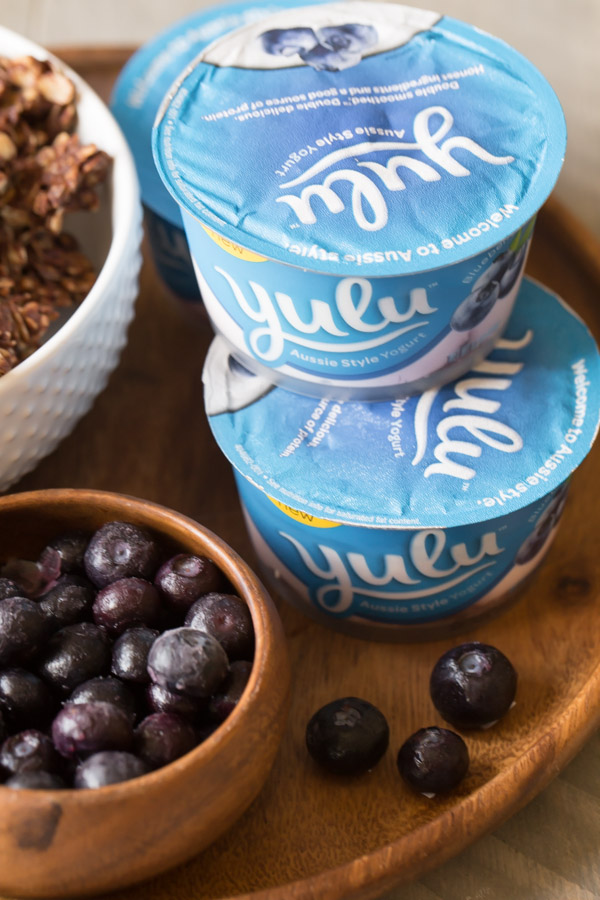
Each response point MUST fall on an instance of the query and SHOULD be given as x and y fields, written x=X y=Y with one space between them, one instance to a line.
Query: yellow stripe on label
x=304 y=517
x=233 y=249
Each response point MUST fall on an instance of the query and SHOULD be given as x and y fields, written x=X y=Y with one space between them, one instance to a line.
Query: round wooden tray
x=310 y=836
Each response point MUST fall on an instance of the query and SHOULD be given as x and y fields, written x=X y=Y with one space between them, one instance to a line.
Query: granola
x=45 y=172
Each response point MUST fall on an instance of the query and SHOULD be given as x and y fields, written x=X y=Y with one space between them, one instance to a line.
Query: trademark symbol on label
x=432 y=285
x=466 y=485
x=295 y=225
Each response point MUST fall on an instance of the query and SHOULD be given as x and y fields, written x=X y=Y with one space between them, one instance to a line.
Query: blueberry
x=35 y=781
x=433 y=760
x=106 y=690
x=130 y=654
x=73 y=655
x=83 y=728
x=187 y=661
x=108 y=767
x=9 y=588
x=531 y=546
x=496 y=270
x=71 y=548
x=227 y=697
x=512 y=271
x=162 y=738
x=25 y=700
x=120 y=550
x=125 y=603
x=22 y=630
x=28 y=751
x=544 y=525
x=556 y=506
x=348 y=736
x=185 y=577
x=228 y=619
x=68 y=602
x=205 y=730
x=473 y=685
x=29 y=577
x=475 y=308
x=160 y=700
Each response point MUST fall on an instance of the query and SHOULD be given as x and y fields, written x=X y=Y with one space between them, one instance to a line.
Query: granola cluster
x=45 y=172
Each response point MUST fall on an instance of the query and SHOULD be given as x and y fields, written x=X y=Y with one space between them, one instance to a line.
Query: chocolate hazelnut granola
x=45 y=172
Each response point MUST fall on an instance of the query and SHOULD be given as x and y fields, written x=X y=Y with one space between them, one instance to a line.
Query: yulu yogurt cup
x=135 y=101
x=404 y=518
x=359 y=183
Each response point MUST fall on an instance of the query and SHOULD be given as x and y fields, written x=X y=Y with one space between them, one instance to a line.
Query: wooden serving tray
x=310 y=836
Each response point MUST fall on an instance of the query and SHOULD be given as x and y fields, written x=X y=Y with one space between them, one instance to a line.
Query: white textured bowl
x=43 y=397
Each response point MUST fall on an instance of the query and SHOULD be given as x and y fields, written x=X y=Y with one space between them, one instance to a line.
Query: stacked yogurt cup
x=359 y=195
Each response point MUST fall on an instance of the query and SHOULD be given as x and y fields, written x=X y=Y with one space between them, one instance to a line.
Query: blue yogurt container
x=135 y=101
x=414 y=517
x=359 y=183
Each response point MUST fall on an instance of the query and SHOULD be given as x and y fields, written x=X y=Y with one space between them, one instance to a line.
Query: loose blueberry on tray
x=348 y=736
x=473 y=685
x=93 y=689
x=433 y=760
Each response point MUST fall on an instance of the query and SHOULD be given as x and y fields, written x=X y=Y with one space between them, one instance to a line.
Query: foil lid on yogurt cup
x=360 y=137
x=149 y=74
x=501 y=437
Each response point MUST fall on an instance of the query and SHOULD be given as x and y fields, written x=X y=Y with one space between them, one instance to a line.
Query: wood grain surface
x=147 y=436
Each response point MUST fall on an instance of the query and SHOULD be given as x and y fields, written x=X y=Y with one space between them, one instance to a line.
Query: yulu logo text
x=369 y=206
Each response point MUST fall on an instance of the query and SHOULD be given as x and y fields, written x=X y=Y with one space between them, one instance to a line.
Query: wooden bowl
x=72 y=843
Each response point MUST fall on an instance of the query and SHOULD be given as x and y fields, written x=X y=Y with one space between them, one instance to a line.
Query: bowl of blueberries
x=144 y=687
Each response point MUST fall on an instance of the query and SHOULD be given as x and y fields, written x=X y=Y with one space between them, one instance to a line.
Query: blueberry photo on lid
x=329 y=49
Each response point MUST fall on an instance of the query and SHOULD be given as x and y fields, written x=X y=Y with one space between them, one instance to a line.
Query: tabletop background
x=549 y=851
